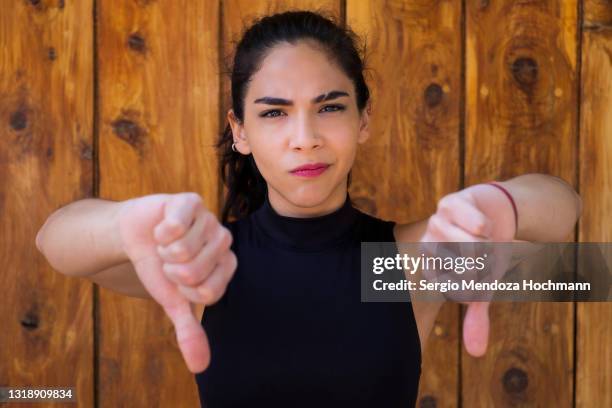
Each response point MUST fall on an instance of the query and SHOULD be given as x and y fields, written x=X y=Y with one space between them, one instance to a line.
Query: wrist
x=498 y=185
x=116 y=239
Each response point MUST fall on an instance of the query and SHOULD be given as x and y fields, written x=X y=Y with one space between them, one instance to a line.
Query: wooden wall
x=116 y=99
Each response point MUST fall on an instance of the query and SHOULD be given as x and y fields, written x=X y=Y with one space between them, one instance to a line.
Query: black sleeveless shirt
x=291 y=330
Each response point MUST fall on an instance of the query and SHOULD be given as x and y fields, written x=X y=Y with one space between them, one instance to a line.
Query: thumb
x=476 y=328
x=190 y=336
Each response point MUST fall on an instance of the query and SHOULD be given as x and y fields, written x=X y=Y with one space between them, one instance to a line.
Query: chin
x=307 y=200
x=308 y=197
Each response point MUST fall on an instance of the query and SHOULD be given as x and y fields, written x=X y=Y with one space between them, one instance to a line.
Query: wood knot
x=129 y=131
x=86 y=151
x=515 y=380
x=60 y=4
x=525 y=71
x=38 y=5
x=30 y=321
x=433 y=95
x=51 y=54
x=19 y=120
x=428 y=401
x=137 y=43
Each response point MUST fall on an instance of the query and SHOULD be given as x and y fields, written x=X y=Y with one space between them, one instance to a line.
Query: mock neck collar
x=308 y=233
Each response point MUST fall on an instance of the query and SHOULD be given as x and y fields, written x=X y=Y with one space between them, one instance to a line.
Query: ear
x=242 y=143
x=364 y=124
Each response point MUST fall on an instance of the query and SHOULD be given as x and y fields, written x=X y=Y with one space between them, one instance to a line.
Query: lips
x=310 y=170
x=310 y=167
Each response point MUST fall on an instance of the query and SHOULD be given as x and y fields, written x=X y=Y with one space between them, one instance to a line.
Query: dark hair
x=246 y=188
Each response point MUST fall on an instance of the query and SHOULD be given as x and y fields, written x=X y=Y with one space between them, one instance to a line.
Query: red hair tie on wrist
x=511 y=201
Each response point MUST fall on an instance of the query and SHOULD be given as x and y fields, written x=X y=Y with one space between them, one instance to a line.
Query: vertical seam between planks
x=96 y=193
x=222 y=124
x=579 y=37
x=462 y=121
x=462 y=95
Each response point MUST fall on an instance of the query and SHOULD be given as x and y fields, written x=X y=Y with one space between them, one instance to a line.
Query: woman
x=285 y=325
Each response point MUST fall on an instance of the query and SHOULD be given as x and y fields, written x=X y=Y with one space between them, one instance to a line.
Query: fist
x=181 y=254
x=480 y=213
x=195 y=249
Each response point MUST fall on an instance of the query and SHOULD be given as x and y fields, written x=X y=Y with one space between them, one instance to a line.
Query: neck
x=307 y=208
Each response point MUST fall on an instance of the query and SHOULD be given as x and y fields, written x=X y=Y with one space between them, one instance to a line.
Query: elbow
x=578 y=204
x=577 y=212
x=40 y=235
x=39 y=239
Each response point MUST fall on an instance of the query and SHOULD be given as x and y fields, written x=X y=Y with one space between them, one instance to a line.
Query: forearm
x=548 y=207
x=82 y=238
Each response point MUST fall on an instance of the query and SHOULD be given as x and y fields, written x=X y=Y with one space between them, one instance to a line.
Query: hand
x=181 y=254
x=480 y=213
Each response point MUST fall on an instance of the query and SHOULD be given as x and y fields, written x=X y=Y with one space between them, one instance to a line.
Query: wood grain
x=46 y=110
x=161 y=103
x=594 y=331
x=158 y=101
x=521 y=117
x=412 y=158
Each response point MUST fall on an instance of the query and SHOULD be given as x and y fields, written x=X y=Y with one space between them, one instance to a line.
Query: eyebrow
x=269 y=100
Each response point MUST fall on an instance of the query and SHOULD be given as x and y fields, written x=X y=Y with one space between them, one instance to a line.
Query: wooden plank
x=46 y=110
x=412 y=158
x=158 y=99
x=594 y=350
x=521 y=118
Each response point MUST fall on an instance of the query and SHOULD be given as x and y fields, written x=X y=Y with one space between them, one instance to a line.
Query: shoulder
x=373 y=229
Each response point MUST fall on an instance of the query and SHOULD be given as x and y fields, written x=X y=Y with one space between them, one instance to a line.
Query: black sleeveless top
x=291 y=330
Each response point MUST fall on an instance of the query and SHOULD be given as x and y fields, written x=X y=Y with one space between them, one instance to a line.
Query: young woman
x=284 y=325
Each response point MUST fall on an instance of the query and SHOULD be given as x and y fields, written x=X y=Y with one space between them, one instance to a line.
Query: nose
x=305 y=135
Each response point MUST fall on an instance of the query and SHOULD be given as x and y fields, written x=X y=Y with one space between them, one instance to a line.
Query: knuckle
x=435 y=223
x=479 y=226
x=445 y=205
x=180 y=252
x=230 y=237
x=194 y=197
x=175 y=225
x=233 y=262
x=180 y=200
x=208 y=293
x=208 y=219
x=225 y=238
x=186 y=275
x=445 y=201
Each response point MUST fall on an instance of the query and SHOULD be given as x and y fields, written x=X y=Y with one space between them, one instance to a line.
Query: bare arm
x=168 y=247
x=548 y=209
x=82 y=239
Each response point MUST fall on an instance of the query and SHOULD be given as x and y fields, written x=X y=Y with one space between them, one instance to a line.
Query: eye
x=271 y=113
x=334 y=108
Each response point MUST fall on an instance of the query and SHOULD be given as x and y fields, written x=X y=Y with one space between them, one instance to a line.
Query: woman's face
x=300 y=109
